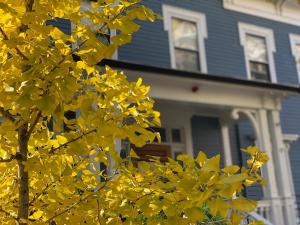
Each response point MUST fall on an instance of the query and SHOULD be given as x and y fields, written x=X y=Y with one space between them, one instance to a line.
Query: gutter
x=199 y=76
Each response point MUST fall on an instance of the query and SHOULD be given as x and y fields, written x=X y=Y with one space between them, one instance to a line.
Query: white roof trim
x=286 y=13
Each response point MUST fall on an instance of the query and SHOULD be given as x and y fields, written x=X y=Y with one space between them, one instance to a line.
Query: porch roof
x=200 y=76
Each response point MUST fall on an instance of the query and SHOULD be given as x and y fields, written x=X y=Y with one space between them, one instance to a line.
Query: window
x=257 y=54
x=295 y=47
x=176 y=135
x=259 y=47
x=184 y=34
x=187 y=31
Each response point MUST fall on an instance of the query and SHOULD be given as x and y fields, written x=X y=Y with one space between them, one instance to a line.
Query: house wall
x=225 y=55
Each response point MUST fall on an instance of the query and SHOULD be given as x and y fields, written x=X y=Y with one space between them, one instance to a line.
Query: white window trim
x=278 y=12
x=196 y=17
x=295 y=40
x=268 y=34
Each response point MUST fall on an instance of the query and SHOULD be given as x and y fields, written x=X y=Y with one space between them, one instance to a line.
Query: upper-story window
x=295 y=46
x=185 y=40
x=259 y=48
x=187 y=32
x=257 y=54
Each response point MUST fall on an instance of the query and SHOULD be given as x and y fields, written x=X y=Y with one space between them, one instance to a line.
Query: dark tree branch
x=75 y=204
x=8 y=214
x=7 y=114
x=13 y=157
x=16 y=48
x=38 y=116
x=53 y=150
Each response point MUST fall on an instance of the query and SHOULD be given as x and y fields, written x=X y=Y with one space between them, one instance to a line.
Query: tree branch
x=7 y=114
x=53 y=150
x=13 y=157
x=75 y=204
x=16 y=48
x=8 y=214
x=98 y=211
x=38 y=116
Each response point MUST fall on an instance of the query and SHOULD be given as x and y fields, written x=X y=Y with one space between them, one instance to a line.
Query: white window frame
x=295 y=40
x=266 y=33
x=199 y=19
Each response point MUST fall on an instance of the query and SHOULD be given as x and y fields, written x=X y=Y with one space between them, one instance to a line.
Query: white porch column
x=188 y=135
x=264 y=141
x=226 y=141
x=282 y=169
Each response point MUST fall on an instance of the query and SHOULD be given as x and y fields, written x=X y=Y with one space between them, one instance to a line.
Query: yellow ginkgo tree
x=49 y=160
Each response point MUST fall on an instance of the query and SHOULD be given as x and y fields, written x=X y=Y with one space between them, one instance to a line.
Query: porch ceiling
x=209 y=89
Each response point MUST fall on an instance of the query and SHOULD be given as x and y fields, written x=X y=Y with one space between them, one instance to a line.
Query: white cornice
x=286 y=13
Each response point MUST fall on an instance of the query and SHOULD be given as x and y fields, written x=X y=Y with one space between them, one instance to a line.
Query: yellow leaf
x=212 y=164
x=201 y=158
x=36 y=215
x=243 y=204
x=231 y=169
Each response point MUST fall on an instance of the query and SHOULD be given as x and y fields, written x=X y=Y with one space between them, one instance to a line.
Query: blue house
x=225 y=75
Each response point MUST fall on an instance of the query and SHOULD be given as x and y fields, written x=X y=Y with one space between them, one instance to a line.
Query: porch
x=221 y=115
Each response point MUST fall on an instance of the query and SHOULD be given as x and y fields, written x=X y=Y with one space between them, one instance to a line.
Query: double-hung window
x=187 y=32
x=185 y=40
x=259 y=47
x=295 y=47
x=257 y=54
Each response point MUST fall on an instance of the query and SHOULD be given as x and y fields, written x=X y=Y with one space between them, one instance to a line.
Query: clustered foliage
x=49 y=171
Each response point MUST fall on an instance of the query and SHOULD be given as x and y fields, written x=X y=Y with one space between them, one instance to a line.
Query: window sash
x=259 y=75
x=260 y=54
x=196 y=67
x=193 y=36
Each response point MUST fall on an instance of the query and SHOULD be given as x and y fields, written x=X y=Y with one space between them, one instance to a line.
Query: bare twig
x=75 y=204
x=98 y=210
x=16 y=48
x=7 y=114
x=13 y=157
x=53 y=150
x=38 y=116
x=41 y=193
x=9 y=214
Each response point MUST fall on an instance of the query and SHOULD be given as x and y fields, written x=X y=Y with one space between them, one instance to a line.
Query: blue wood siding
x=63 y=24
x=225 y=56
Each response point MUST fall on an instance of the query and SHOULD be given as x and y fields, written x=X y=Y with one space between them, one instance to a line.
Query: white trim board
x=285 y=12
x=295 y=40
x=268 y=34
x=196 y=17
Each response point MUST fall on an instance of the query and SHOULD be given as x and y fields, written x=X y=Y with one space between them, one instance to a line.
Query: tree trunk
x=23 y=176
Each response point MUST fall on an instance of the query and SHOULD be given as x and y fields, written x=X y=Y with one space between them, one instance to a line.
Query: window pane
x=260 y=71
x=176 y=135
x=187 y=60
x=256 y=48
x=162 y=132
x=184 y=34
